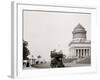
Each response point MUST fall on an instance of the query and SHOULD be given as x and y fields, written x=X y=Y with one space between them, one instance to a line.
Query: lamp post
x=32 y=60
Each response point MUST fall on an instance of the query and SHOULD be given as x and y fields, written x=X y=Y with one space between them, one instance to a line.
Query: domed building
x=79 y=46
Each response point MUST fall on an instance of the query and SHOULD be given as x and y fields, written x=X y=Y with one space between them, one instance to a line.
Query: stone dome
x=79 y=29
x=79 y=33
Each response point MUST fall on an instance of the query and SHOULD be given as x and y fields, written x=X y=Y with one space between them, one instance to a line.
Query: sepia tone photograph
x=54 y=39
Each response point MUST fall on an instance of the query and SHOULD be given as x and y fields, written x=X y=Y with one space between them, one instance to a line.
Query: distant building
x=80 y=46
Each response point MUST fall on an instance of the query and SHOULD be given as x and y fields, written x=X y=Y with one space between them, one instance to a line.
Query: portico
x=82 y=52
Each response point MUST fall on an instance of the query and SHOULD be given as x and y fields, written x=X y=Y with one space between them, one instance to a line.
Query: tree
x=25 y=50
x=38 y=56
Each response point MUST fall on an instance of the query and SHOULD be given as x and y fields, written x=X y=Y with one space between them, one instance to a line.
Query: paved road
x=47 y=65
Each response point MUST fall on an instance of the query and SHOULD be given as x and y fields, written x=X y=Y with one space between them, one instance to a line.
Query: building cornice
x=79 y=42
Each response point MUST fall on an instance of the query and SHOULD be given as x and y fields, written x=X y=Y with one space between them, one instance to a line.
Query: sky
x=46 y=31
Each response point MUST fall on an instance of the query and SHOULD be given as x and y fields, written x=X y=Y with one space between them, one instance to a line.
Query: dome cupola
x=79 y=33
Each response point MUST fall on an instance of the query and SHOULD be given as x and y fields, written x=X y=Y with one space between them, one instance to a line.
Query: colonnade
x=82 y=52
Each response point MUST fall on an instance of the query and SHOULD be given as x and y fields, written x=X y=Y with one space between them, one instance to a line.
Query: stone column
x=89 y=51
x=83 y=53
x=77 y=52
x=80 y=52
x=86 y=52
